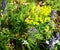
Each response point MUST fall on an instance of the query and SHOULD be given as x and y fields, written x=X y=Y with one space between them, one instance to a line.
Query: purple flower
x=57 y=36
x=33 y=29
x=3 y=5
x=52 y=40
x=53 y=13
x=52 y=43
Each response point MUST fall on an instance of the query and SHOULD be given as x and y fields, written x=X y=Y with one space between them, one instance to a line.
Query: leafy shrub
x=25 y=25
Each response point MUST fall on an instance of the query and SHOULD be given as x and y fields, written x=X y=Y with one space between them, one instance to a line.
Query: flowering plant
x=26 y=25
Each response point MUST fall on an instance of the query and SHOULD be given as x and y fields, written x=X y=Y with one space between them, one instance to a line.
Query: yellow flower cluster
x=30 y=20
x=43 y=20
x=37 y=13
x=45 y=10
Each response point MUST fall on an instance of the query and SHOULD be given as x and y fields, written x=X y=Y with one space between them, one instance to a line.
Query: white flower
x=56 y=41
x=47 y=42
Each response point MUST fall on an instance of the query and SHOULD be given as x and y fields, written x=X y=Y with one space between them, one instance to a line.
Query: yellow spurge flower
x=45 y=10
x=36 y=23
x=49 y=8
x=36 y=18
x=41 y=20
x=33 y=9
x=38 y=7
x=29 y=17
x=47 y=28
x=27 y=20
x=47 y=19
x=30 y=22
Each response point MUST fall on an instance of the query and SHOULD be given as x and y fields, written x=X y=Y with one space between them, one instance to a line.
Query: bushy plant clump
x=29 y=25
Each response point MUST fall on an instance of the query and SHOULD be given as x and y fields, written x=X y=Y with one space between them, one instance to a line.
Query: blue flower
x=57 y=36
x=3 y=5
x=53 y=13
x=52 y=40
x=52 y=43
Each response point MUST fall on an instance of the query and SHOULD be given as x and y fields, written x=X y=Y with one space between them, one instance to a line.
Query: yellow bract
x=37 y=14
x=45 y=10
x=33 y=8
x=38 y=7
x=36 y=23
x=29 y=17
x=47 y=19
x=30 y=21
x=27 y=20
x=36 y=18
x=41 y=19
x=47 y=28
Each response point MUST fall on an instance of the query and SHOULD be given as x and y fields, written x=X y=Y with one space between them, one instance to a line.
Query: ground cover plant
x=29 y=24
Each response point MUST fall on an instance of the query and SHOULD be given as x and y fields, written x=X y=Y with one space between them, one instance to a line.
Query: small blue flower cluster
x=53 y=41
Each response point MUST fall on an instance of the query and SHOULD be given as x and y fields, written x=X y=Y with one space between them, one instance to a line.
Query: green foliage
x=27 y=26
